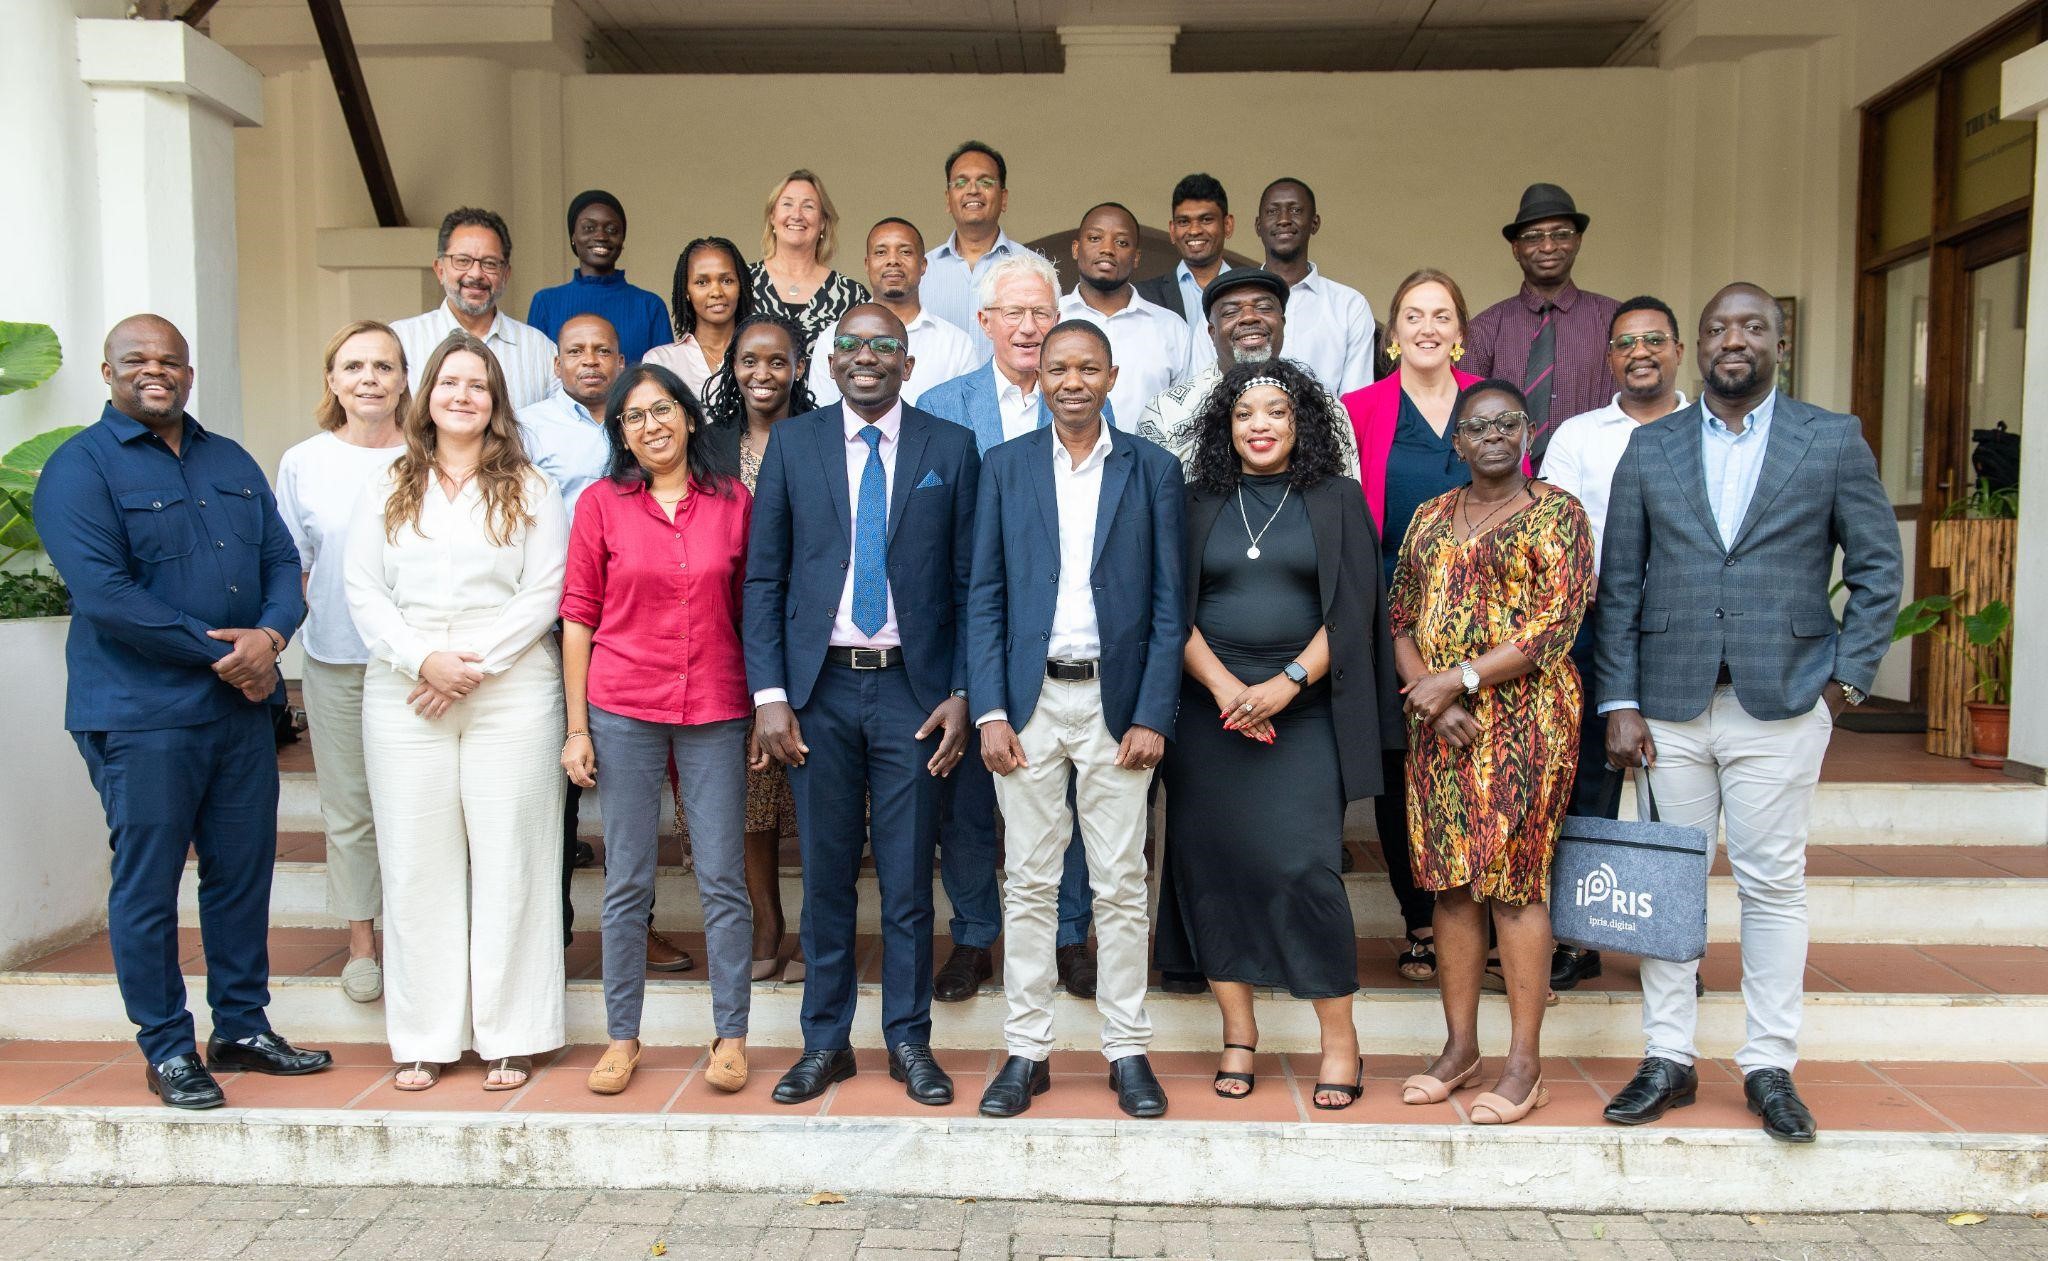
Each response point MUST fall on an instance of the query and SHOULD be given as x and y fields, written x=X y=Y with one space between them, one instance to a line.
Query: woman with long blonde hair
x=454 y=572
x=794 y=278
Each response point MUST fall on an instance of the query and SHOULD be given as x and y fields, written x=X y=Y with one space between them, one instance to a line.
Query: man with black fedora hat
x=1551 y=338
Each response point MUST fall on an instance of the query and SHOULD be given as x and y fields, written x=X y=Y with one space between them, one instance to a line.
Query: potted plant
x=29 y=356
x=1981 y=641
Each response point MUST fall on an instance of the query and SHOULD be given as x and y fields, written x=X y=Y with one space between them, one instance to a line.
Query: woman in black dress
x=1290 y=649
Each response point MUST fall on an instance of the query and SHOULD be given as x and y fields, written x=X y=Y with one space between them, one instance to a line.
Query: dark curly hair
x=1318 y=451
x=681 y=313
x=723 y=404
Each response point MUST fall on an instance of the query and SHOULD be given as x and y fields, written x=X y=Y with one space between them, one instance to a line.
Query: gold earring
x=1457 y=351
x=1393 y=352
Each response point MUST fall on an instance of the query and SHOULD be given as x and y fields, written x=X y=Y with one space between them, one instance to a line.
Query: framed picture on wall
x=1788 y=375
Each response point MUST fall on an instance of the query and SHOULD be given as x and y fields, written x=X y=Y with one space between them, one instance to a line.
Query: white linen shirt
x=405 y=592
x=1149 y=344
x=1019 y=410
x=319 y=482
x=567 y=443
x=1583 y=454
x=941 y=350
x=526 y=354
x=1329 y=332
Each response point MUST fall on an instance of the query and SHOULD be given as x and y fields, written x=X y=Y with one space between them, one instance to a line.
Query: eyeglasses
x=664 y=411
x=1557 y=236
x=848 y=344
x=1506 y=424
x=1014 y=315
x=986 y=183
x=491 y=263
x=1629 y=341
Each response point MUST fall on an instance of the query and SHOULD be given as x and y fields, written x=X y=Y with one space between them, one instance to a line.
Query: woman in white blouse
x=454 y=571
x=318 y=484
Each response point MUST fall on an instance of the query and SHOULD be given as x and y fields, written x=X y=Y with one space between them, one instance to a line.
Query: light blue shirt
x=949 y=284
x=1191 y=298
x=566 y=443
x=1733 y=462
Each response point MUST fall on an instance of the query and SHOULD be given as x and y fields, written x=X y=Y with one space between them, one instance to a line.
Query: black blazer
x=1164 y=290
x=1365 y=692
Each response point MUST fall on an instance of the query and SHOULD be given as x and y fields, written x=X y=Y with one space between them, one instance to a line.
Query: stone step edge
x=1264 y=1164
x=1604 y=1024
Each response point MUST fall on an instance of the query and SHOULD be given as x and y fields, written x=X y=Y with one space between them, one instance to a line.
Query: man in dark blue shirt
x=184 y=589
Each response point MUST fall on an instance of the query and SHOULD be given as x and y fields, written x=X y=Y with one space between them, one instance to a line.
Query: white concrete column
x=166 y=101
x=2025 y=95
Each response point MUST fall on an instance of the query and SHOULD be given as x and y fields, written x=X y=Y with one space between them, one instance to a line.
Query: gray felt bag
x=1632 y=886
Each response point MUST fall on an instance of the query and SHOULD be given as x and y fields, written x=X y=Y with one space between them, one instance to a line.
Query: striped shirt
x=526 y=354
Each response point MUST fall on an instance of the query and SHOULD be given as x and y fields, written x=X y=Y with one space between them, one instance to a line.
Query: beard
x=1733 y=379
x=1256 y=354
x=1104 y=285
x=468 y=306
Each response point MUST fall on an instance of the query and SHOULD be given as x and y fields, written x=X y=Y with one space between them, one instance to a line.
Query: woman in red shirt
x=652 y=669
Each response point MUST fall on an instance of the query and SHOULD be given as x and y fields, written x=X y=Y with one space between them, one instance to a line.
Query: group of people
x=885 y=564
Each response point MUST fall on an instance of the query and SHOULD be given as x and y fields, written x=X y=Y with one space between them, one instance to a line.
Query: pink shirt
x=664 y=599
x=844 y=633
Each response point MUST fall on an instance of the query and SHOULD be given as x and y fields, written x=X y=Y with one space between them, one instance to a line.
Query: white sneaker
x=363 y=980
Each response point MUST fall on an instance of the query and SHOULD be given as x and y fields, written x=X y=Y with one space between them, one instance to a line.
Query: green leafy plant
x=19 y=470
x=32 y=594
x=29 y=356
x=1982 y=639
x=1985 y=502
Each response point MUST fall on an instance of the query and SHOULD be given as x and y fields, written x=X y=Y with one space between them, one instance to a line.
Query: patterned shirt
x=1497 y=345
x=831 y=300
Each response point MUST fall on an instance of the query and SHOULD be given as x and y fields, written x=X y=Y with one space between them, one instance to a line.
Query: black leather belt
x=1071 y=671
x=865 y=658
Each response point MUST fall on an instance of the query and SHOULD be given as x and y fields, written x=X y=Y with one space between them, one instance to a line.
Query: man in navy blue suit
x=856 y=653
x=1075 y=630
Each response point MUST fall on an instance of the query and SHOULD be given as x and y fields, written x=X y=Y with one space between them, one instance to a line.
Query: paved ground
x=507 y=1225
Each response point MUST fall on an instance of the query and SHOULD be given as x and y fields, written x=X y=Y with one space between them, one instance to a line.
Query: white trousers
x=334 y=723
x=469 y=832
x=1754 y=779
x=1066 y=732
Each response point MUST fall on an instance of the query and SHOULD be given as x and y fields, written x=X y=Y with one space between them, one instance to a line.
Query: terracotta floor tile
x=1088 y=1096
x=875 y=1060
x=95 y=955
x=1868 y=969
x=1915 y=1074
x=459 y=1090
x=1867 y=1108
x=874 y=1095
x=75 y=1052
x=700 y=1096
x=584 y=1056
x=1824 y=1072
x=335 y=1088
x=2039 y=1072
x=1571 y=1103
x=1990 y=1109
x=27 y=1082
x=2030 y=861
x=2000 y=969
x=117 y=1085
x=297 y=960
x=568 y=1090
x=1273 y=1099
x=1380 y=1105
x=1720 y=1105
x=1608 y=1072
x=301 y=847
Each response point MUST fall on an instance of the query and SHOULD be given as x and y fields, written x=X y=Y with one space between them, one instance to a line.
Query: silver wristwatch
x=1851 y=693
x=1470 y=674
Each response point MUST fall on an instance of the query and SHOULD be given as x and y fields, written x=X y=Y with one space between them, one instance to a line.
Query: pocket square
x=931 y=479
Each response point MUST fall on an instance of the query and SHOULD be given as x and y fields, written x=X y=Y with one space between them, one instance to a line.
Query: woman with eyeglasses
x=794 y=278
x=1406 y=458
x=652 y=670
x=1289 y=647
x=1492 y=581
x=712 y=296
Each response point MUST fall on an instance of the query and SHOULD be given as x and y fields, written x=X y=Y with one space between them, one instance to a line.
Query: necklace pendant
x=1252 y=552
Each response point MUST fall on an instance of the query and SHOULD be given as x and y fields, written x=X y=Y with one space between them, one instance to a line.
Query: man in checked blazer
x=1722 y=666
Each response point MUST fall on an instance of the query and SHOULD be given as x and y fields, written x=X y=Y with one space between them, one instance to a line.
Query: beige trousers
x=334 y=721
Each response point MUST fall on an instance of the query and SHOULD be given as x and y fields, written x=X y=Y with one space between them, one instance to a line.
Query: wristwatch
x=1851 y=693
x=958 y=693
x=1296 y=674
x=1470 y=674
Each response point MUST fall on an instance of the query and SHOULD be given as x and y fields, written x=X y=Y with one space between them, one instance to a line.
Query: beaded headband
x=1255 y=382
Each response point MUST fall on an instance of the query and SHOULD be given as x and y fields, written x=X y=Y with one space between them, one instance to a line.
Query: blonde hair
x=500 y=471
x=328 y=412
x=828 y=231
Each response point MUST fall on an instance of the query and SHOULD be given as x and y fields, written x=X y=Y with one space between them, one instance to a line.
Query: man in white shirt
x=473 y=261
x=1643 y=353
x=564 y=432
x=1150 y=342
x=1330 y=326
x=939 y=349
x=977 y=193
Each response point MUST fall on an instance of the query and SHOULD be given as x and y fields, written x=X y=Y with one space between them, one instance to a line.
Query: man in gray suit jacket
x=1721 y=665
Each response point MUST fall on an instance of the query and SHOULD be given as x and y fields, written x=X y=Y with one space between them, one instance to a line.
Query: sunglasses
x=1507 y=424
x=1629 y=341
x=848 y=344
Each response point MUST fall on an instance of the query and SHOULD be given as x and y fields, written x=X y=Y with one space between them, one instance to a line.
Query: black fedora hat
x=1545 y=201
x=1238 y=277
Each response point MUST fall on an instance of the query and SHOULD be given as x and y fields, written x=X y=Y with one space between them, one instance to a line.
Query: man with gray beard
x=1246 y=309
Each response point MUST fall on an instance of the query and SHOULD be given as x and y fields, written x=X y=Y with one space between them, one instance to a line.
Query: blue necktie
x=871 y=540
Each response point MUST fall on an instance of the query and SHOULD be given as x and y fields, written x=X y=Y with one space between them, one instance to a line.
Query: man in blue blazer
x=1075 y=630
x=1018 y=301
x=855 y=628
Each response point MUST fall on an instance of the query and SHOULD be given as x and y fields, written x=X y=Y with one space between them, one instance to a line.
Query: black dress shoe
x=183 y=1082
x=1011 y=1091
x=1138 y=1091
x=812 y=1072
x=963 y=974
x=582 y=854
x=1658 y=1086
x=264 y=1053
x=1772 y=1097
x=923 y=1080
x=1183 y=982
x=1077 y=969
x=1570 y=965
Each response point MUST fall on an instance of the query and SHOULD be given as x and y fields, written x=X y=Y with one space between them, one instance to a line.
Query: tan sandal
x=432 y=1070
x=520 y=1064
x=1492 y=1109
x=614 y=1071
x=1422 y=1088
x=728 y=1068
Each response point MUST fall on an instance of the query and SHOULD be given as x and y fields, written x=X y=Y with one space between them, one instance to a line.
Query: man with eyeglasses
x=1551 y=338
x=473 y=260
x=977 y=193
x=1643 y=353
x=939 y=350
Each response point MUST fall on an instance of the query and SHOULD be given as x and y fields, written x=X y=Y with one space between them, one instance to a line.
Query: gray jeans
x=711 y=766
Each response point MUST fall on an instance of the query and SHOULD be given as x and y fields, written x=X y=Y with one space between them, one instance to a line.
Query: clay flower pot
x=1989 y=725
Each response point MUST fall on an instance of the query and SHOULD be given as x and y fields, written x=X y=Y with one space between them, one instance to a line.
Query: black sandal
x=1350 y=1093
x=1420 y=957
x=1250 y=1080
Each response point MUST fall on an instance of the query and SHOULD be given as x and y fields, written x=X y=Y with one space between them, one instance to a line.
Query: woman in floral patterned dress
x=1488 y=593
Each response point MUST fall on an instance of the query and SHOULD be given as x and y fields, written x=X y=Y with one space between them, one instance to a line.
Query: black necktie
x=1539 y=379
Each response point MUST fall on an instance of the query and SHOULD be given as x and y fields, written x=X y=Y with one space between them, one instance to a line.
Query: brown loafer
x=727 y=1070
x=614 y=1071
x=664 y=955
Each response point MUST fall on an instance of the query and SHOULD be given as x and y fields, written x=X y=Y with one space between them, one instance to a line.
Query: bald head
x=587 y=359
x=1741 y=339
x=147 y=366
x=870 y=376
